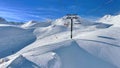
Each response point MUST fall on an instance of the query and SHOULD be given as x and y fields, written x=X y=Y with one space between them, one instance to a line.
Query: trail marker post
x=71 y=17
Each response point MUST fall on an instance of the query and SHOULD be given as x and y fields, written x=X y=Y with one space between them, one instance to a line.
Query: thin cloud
x=20 y=15
x=12 y=13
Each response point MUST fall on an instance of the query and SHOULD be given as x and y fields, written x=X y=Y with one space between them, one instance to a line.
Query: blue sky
x=24 y=10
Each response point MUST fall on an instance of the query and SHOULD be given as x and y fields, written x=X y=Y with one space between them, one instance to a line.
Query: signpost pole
x=71 y=28
x=71 y=17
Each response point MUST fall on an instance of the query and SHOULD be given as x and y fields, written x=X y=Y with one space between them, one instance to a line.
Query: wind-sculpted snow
x=73 y=56
x=94 y=45
x=47 y=60
x=103 y=44
x=22 y=62
x=69 y=55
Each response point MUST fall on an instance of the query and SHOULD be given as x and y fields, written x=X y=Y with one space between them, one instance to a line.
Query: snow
x=35 y=24
x=34 y=61
x=5 y=25
x=47 y=60
x=28 y=24
x=21 y=62
x=115 y=20
x=94 y=45
x=12 y=39
x=107 y=42
x=73 y=56
x=3 y=21
x=46 y=31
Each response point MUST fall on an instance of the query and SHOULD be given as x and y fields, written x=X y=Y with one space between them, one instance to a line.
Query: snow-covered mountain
x=2 y=21
x=34 y=24
x=11 y=38
x=64 y=24
x=109 y=19
x=94 y=45
x=78 y=23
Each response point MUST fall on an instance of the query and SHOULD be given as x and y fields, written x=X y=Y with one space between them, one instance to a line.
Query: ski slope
x=94 y=45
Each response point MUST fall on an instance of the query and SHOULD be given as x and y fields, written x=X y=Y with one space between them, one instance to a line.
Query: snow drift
x=94 y=45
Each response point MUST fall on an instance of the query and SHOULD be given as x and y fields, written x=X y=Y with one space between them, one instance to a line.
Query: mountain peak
x=2 y=21
x=78 y=21
x=109 y=19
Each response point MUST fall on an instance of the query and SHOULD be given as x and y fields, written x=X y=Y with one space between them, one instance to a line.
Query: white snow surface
x=94 y=45
x=11 y=38
x=111 y=19
x=35 y=24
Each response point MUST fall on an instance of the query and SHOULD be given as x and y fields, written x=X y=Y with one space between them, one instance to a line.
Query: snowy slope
x=109 y=19
x=73 y=56
x=100 y=43
x=103 y=43
x=69 y=55
x=63 y=24
x=35 y=24
x=13 y=38
x=94 y=45
x=78 y=23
